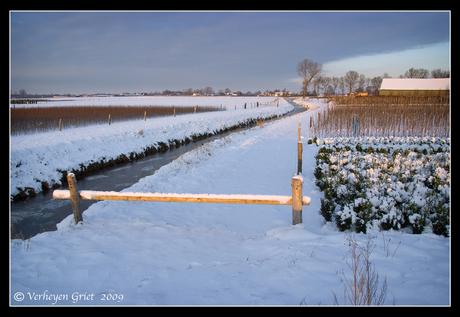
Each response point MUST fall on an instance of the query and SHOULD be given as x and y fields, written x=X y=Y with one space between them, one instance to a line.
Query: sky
x=114 y=52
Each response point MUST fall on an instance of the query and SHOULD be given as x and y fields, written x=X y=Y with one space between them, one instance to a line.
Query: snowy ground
x=37 y=158
x=141 y=253
x=228 y=101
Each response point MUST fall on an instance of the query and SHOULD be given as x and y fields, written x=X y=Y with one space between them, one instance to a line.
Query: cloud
x=150 y=50
x=394 y=63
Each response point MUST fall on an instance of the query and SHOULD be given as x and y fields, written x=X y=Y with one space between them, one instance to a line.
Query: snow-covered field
x=38 y=158
x=143 y=253
x=177 y=101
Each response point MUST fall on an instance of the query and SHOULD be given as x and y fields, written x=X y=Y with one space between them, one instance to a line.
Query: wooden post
x=109 y=118
x=174 y=111
x=194 y=110
x=145 y=115
x=60 y=124
x=297 y=199
x=298 y=132
x=74 y=197
x=299 y=153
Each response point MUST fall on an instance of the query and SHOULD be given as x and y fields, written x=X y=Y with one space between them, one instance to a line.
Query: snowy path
x=212 y=254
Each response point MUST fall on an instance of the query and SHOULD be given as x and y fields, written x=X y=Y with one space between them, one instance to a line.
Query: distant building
x=415 y=86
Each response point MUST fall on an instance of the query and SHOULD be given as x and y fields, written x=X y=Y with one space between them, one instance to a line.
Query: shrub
x=391 y=189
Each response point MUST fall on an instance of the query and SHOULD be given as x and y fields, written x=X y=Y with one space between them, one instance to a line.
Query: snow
x=176 y=101
x=415 y=84
x=229 y=199
x=159 y=253
x=38 y=158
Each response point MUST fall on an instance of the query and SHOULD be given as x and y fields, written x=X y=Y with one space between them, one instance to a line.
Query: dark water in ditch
x=41 y=212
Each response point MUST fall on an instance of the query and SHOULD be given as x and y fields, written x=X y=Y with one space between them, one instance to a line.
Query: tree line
x=311 y=74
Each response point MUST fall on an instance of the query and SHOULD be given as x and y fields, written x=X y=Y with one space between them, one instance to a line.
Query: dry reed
x=41 y=119
x=383 y=116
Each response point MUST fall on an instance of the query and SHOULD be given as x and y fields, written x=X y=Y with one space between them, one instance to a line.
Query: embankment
x=41 y=161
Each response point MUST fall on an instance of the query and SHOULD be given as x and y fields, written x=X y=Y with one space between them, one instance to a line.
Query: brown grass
x=384 y=116
x=36 y=119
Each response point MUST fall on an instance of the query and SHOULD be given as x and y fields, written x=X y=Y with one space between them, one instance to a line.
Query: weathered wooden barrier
x=297 y=200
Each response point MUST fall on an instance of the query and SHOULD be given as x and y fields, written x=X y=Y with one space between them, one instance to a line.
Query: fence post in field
x=299 y=153
x=297 y=199
x=194 y=110
x=74 y=197
x=60 y=124
x=145 y=115
x=109 y=118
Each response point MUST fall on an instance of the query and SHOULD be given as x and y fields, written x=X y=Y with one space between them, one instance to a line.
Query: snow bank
x=37 y=160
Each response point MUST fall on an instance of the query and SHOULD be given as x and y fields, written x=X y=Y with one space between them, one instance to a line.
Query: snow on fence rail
x=297 y=200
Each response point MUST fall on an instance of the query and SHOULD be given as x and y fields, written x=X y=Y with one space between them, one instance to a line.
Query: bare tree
x=342 y=84
x=368 y=85
x=438 y=73
x=188 y=91
x=325 y=82
x=361 y=82
x=22 y=93
x=208 y=91
x=316 y=84
x=351 y=78
x=376 y=83
x=416 y=73
x=335 y=82
x=307 y=69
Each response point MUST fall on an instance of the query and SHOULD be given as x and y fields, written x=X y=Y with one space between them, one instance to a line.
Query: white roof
x=415 y=84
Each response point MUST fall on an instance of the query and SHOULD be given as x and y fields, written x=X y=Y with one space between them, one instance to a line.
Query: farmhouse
x=415 y=86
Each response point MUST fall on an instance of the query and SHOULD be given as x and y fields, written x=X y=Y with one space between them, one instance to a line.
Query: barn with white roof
x=415 y=86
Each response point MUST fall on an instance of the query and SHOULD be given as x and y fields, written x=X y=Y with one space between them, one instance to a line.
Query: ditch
x=41 y=212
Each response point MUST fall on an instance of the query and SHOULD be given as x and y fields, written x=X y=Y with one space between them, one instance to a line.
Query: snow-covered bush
x=385 y=183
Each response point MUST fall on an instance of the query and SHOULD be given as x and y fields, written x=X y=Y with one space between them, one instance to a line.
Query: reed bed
x=381 y=118
x=391 y=100
x=42 y=119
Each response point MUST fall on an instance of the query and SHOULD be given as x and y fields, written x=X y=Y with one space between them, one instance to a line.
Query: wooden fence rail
x=297 y=200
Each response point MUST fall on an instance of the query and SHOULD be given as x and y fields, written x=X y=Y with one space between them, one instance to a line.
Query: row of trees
x=311 y=74
x=207 y=91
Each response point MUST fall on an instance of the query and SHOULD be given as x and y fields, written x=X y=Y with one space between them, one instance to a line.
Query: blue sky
x=113 y=52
